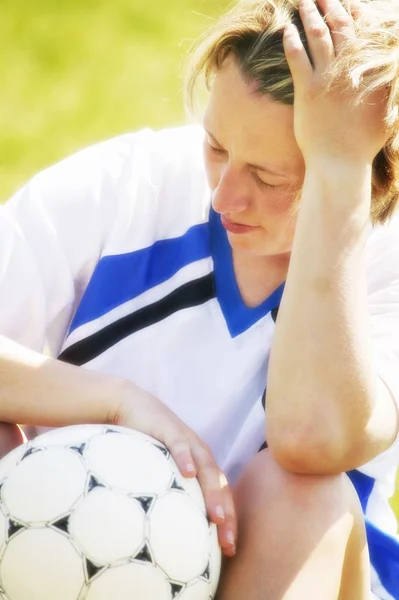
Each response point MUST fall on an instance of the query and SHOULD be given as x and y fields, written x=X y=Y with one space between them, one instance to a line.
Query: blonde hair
x=252 y=32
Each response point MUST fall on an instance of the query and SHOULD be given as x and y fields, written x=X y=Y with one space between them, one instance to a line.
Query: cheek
x=277 y=205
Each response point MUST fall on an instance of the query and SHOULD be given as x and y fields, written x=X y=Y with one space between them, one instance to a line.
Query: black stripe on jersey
x=190 y=294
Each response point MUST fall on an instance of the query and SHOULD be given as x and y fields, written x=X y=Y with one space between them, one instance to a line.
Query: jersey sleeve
x=383 y=303
x=51 y=236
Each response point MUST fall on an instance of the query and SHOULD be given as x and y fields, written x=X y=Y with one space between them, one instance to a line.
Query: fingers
x=193 y=458
x=325 y=36
x=318 y=35
x=339 y=21
x=218 y=497
x=179 y=447
x=296 y=55
x=228 y=529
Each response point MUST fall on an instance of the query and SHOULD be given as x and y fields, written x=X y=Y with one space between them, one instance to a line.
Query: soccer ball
x=94 y=512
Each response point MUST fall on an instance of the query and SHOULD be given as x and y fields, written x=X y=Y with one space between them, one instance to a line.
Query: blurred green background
x=77 y=71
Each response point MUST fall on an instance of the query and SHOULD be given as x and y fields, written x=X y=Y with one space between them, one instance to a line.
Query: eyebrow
x=256 y=167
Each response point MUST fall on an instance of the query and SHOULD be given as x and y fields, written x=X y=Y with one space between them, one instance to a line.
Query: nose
x=231 y=195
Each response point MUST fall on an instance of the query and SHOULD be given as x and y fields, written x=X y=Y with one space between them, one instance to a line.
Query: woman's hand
x=330 y=125
x=143 y=412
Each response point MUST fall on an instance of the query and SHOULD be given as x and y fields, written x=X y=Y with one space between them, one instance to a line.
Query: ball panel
x=108 y=526
x=51 y=479
x=132 y=580
x=10 y=460
x=192 y=487
x=110 y=457
x=41 y=564
x=179 y=536
x=198 y=590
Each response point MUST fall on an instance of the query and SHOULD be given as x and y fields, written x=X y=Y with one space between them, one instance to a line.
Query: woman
x=162 y=274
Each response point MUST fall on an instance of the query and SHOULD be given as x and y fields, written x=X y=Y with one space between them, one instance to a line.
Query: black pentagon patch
x=146 y=502
x=30 y=451
x=144 y=555
x=14 y=527
x=164 y=450
x=93 y=483
x=91 y=569
x=207 y=573
x=62 y=524
x=110 y=430
x=176 y=589
x=176 y=486
x=79 y=449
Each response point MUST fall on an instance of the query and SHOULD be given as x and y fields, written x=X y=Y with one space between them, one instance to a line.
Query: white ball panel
x=44 y=485
x=216 y=559
x=179 y=536
x=41 y=564
x=108 y=526
x=132 y=580
x=124 y=461
x=10 y=460
x=67 y=436
x=199 y=590
x=192 y=487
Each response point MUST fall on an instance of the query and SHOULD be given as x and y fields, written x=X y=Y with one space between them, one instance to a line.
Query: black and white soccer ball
x=93 y=512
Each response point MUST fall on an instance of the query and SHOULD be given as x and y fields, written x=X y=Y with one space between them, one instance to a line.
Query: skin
x=253 y=130
x=322 y=260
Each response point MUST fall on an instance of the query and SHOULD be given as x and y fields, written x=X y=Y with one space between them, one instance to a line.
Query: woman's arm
x=327 y=409
x=39 y=390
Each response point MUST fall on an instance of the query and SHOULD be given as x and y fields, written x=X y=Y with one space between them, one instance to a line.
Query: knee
x=265 y=488
x=11 y=436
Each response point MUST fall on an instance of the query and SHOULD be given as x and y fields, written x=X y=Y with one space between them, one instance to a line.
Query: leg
x=10 y=437
x=300 y=537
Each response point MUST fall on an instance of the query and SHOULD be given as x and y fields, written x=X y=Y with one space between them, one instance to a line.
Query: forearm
x=38 y=390
x=322 y=386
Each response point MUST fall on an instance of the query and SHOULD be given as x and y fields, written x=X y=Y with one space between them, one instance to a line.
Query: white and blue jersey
x=115 y=261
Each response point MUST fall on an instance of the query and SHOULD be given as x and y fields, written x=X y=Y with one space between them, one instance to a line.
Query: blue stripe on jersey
x=363 y=485
x=238 y=316
x=384 y=556
x=383 y=549
x=120 y=278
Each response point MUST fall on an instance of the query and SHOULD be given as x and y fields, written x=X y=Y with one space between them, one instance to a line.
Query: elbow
x=306 y=451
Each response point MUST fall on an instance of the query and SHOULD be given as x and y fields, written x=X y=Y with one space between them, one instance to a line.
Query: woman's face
x=253 y=163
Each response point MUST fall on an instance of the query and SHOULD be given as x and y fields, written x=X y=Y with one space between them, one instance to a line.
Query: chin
x=243 y=243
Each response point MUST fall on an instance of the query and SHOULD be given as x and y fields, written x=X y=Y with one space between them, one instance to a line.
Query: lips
x=234 y=227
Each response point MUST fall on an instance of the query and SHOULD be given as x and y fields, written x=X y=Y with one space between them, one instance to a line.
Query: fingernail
x=230 y=538
x=190 y=468
x=219 y=512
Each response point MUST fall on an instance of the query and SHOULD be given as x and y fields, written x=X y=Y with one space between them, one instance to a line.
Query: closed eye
x=262 y=183
x=215 y=149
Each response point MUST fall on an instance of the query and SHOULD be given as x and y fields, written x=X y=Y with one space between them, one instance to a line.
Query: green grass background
x=77 y=71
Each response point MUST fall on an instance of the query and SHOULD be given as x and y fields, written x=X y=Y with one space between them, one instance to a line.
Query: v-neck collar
x=238 y=316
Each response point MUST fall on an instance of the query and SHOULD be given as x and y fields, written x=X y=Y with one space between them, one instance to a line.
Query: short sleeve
x=51 y=236
x=382 y=257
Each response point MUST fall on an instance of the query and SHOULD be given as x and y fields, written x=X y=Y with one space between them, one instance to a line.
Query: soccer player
x=232 y=289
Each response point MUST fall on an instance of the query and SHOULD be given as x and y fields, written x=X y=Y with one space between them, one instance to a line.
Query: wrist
x=337 y=170
x=119 y=399
x=341 y=189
